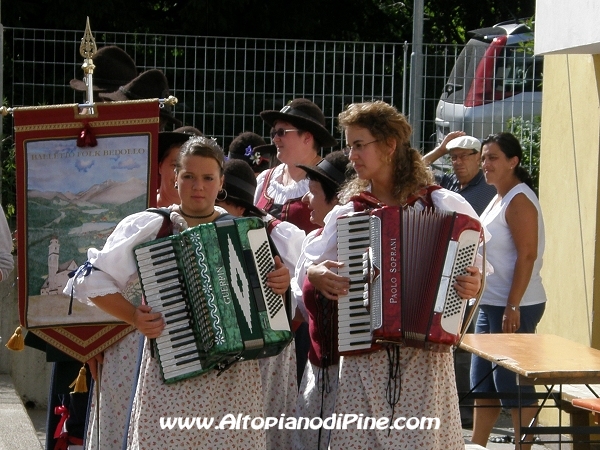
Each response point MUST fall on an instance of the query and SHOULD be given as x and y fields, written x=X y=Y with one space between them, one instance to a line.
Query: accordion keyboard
x=165 y=294
x=353 y=317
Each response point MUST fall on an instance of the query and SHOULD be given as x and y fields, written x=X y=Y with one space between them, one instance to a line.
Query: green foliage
x=528 y=46
x=529 y=134
x=355 y=20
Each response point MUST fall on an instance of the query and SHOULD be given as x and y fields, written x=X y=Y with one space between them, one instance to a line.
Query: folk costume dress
x=237 y=391
x=425 y=384
x=279 y=374
x=318 y=389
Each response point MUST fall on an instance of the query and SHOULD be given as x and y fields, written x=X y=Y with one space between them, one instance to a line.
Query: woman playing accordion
x=401 y=382
x=113 y=285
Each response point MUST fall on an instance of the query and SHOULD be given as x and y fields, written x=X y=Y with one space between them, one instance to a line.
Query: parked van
x=495 y=77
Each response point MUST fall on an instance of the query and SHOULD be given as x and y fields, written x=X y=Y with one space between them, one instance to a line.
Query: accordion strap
x=166 y=228
x=366 y=201
x=424 y=196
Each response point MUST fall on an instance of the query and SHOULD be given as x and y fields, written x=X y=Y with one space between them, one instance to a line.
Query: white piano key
x=157 y=269
x=161 y=278
x=181 y=339
x=172 y=330
x=143 y=252
x=155 y=260
x=152 y=288
x=172 y=372
x=353 y=318
x=168 y=304
x=168 y=352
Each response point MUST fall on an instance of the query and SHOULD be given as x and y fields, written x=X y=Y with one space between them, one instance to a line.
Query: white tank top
x=502 y=254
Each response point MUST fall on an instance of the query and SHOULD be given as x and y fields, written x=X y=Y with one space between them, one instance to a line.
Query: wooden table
x=541 y=359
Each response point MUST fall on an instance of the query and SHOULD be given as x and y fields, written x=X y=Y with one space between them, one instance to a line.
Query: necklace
x=195 y=217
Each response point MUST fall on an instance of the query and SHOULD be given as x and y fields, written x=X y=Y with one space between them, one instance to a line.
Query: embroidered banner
x=78 y=175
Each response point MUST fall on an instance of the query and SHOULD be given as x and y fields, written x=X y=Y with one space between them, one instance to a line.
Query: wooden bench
x=572 y=396
x=589 y=404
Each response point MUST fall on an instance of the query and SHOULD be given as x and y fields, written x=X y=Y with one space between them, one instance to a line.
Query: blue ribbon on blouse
x=85 y=269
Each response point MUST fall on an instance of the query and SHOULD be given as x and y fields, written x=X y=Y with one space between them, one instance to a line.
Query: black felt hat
x=334 y=169
x=305 y=115
x=166 y=139
x=250 y=147
x=149 y=84
x=113 y=68
x=240 y=184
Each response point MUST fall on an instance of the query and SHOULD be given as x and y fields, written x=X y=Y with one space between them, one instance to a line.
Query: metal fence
x=223 y=83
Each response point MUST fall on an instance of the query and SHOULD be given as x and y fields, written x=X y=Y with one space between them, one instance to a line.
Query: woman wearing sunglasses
x=298 y=131
x=403 y=385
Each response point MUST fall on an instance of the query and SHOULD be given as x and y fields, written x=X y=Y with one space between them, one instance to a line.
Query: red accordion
x=402 y=263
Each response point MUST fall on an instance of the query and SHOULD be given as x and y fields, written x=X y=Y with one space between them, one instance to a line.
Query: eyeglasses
x=281 y=132
x=358 y=147
x=462 y=157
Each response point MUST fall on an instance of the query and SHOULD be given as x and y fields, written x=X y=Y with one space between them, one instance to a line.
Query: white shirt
x=324 y=247
x=502 y=253
x=276 y=190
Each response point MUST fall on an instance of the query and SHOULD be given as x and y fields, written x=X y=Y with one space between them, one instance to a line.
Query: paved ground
x=503 y=428
x=16 y=430
x=38 y=417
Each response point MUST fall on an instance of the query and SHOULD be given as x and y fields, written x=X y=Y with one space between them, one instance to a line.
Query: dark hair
x=201 y=146
x=339 y=161
x=511 y=147
x=329 y=189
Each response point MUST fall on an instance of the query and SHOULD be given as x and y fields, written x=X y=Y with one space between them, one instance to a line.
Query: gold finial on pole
x=170 y=100
x=87 y=50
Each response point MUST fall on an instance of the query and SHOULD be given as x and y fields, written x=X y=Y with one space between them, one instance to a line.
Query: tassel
x=80 y=382
x=16 y=342
x=86 y=137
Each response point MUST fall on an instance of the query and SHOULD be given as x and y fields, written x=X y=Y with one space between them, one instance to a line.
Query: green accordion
x=210 y=284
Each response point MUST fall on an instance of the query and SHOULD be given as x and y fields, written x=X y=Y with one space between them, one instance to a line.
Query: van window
x=463 y=72
x=516 y=71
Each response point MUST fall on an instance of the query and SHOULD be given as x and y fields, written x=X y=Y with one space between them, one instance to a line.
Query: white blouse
x=324 y=247
x=114 y=265
x=276 y=190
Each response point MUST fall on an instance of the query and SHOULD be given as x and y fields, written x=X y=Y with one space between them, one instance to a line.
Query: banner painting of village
x=74 y=197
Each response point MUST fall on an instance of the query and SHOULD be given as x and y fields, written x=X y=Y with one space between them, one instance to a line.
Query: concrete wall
x=28 y=369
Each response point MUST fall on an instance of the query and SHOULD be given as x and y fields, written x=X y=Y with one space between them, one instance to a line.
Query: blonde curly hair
x=384 y=122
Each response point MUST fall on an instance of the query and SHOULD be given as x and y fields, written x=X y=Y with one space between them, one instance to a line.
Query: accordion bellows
x=209 y=282
x=402 y=264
